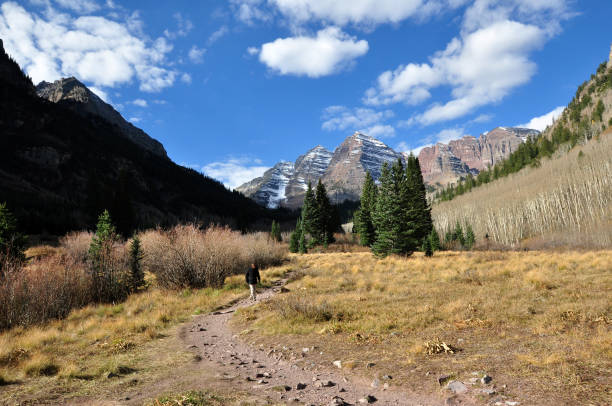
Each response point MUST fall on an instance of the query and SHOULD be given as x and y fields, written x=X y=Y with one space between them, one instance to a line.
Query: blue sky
x=232 y=87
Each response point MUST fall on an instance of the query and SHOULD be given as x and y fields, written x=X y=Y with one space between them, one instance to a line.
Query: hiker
x=253 y=278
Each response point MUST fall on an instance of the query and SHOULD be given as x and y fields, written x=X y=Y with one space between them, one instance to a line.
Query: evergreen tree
x=470 y=238
x=418 y=198
x=107 y=283
x=309 y=213
x=325 y=220
x=275 y=233
x=294 y=241
x=408 y=216
x=434 y=239
x=427 y=249
x=12 y=242
x=383 y=216
x=393 y=214
x=365 y=225
x=458 y=234
x=302 y=243
x=136 y=256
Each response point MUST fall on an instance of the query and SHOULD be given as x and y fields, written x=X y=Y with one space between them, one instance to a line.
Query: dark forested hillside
x=60 y=169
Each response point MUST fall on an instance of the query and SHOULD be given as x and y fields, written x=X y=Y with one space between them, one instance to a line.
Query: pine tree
x=390 y=217
x=302 y=243
x=12 y=242
x=458 y=234
x=383 y=214
x=136 y=256
x=416 y=188
x=408 y=214
x=434 y=239
x=275 y=233
x=107 y=283
x=365 y=225
x=325 y=221
x=309 y=213
x=427 y=249
x=294 y=241
x=470 y=238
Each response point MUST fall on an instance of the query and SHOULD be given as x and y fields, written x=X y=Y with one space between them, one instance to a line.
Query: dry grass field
x=71 y=358
x=539 y=323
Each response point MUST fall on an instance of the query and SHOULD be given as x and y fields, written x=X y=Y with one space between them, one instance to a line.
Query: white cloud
x=196 y=55
x=379 y=131
x=250 y=11
x=217 y=35
x=97 y=50
x=404 y=147
x=235 y=171
x=79 y=6
x=449 y=134
x=184 y=27
x=186 y=78
x=327 y=53
x=540 y=123
x=135 y=120
x=366 y=13
x=252 y=51
x=481 y=67
x=365 y=120
x=140 y=102
x=100 y=93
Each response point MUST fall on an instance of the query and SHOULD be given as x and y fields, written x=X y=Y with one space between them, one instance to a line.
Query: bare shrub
x=186 y=256
x=47 y=288
x=76 y=245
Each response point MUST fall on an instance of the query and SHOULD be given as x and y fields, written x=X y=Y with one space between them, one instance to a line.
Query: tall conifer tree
x=365 y=225
x=416 y=186
x=309 y=213
x=385 y=214
x=324 y=212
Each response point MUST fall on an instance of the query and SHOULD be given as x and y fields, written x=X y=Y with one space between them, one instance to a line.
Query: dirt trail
x=269 y=374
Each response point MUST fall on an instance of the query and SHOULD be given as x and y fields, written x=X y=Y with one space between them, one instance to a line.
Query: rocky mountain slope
x=343 y=171
x=358 y=154
x=60 y=168
x=76 y=95
x=444 y=163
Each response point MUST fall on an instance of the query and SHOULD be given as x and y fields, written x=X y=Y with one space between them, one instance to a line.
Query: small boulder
x=338 y=364
x=486 y=379
x=300 y=386
x=457 y=387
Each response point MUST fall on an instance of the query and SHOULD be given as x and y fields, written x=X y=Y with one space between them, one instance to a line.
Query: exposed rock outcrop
x=82 y=100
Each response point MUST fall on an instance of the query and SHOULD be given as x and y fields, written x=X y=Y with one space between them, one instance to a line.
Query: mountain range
x=343 y=171
x=66 y=155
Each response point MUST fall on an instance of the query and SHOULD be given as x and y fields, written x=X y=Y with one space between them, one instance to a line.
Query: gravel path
x=283 y=375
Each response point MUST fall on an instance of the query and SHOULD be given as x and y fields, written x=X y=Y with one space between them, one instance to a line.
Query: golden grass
x=75 y=355
x=541 y=320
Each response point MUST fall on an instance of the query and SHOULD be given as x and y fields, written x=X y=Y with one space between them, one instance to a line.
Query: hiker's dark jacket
x=252 y=276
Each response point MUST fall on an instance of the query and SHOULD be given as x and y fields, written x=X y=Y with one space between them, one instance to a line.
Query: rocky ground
x=282 y=374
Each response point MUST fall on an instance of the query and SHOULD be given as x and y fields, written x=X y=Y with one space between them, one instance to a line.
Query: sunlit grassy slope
x=540 y=322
